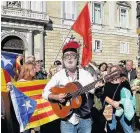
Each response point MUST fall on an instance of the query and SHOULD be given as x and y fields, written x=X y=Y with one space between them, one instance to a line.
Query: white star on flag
x=27 y=104
x=6 y=61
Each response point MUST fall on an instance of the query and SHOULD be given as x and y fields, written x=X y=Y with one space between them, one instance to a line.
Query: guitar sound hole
x=66 y=103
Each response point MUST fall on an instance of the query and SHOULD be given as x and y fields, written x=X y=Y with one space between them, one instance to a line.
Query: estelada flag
x=83 y=27
x=5 y=78
x=43 y=112
x=24 y=107
x=8 y=61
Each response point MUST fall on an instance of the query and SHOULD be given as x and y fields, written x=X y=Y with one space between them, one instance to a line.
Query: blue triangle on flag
x=25 y=105
x=8 y=61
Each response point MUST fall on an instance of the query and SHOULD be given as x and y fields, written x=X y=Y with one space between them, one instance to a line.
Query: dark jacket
x=40 y=75
x=113 y=90
x=132 y=74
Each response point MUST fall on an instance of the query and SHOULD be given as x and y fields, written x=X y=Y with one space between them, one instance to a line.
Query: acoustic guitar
x=74 y=90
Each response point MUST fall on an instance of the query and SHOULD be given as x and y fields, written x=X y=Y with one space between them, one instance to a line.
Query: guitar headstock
x=112 y=75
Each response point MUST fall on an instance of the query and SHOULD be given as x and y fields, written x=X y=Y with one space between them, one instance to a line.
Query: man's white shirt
x=60 y=79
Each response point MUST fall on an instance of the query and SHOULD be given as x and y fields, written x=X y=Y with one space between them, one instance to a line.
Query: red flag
x=83 y=27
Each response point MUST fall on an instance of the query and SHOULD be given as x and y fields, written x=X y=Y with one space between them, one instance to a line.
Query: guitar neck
x=84 y=89
x=109 y=77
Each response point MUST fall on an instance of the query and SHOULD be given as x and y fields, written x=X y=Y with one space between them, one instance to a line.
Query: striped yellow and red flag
x=43 y=113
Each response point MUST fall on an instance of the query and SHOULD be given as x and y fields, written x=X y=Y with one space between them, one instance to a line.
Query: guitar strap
x=116 y=91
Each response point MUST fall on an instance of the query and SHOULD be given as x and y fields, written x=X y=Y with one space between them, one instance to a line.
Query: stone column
x=132 y=24
x=28 y=5
x=44 y=6
x=111 y=14
x=42 y=48
x=3 y=3
x=30 y=41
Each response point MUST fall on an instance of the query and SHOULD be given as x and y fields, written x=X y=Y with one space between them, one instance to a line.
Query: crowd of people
x=109 y=107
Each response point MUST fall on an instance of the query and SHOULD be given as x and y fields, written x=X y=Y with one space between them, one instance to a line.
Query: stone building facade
x=114 y=35
x=21 y=23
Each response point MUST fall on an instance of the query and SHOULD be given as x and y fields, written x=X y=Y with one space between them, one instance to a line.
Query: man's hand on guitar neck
x=60 y=97
x=99 y=84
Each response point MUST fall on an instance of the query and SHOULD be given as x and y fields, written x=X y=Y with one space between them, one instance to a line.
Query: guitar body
x=73 y=98
x=63 y=109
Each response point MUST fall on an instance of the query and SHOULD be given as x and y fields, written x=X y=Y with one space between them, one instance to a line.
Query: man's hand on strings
x=61 y=97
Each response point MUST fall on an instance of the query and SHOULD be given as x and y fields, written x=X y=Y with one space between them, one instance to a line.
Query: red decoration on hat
x=71 y=44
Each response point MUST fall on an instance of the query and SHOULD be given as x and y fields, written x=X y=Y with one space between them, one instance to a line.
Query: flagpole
x=63 y=44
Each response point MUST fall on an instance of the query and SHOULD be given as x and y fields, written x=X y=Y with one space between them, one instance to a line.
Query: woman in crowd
x=135 y=86
x=118 y=95
x=28 y=73
x=103 y=68
x=109 y=65
x=40 y=71
x=29 y=59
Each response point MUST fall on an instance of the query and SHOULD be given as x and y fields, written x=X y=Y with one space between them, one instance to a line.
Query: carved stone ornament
x=14 y=44
x=15 y=4
x=124 y=3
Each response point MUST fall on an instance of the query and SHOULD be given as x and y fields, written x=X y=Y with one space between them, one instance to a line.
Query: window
x=124 y=48
x=69 y=10
x=123 y=17
x=97 y=45
x=123 y=14
x=97 y=12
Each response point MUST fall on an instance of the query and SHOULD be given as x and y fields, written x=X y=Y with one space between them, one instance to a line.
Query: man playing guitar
x=78 y=119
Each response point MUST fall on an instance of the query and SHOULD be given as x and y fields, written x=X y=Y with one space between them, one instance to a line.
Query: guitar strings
x=90 y=86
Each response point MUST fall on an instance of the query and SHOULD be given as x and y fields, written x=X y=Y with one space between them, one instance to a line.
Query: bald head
x=129 y=65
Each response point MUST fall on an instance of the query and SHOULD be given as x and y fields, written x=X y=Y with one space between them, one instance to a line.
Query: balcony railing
x=24 y=13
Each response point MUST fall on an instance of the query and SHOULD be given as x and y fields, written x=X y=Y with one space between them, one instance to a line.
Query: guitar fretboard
x=91 y=86
x=83 y=89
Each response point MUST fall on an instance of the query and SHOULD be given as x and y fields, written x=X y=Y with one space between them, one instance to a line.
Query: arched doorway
x=13 y=44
